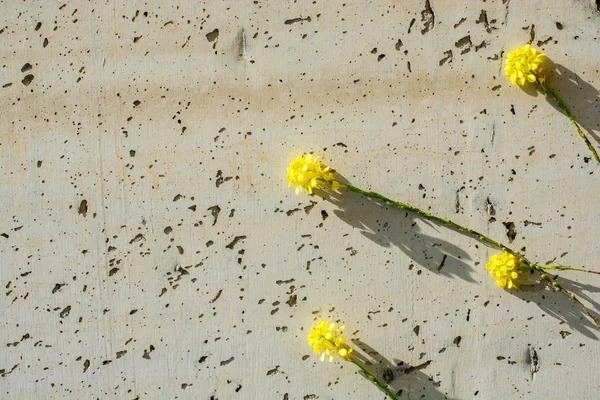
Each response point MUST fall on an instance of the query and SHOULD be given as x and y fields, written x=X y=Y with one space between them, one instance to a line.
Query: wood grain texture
x=150 y=248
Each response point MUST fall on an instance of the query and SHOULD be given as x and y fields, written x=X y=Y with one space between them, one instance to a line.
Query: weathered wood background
x=150 y=246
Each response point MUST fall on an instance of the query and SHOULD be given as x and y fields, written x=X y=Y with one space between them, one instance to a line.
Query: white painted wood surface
x=142 y=123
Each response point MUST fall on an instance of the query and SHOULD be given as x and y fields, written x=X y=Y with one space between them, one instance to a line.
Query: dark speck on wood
x=273 y=371
x=65 y=312
x=417 y=367
x=214 y=210
x=212 y=36
x=227 y=361
x=511 y=231
x=217 y=296
x=235 y=241
x=285 y=282
x=27 y=80
x=83 y=208
x=294 y=20
x=57 y=287
x=137 y=238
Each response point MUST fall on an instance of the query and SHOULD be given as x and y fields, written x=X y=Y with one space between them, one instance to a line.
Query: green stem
x=453 y=225
x=375 y=381
x=567 y=268
x=553 y=283
x=550 y=281
x=564 y=107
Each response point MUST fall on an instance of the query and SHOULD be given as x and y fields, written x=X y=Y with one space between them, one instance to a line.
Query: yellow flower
x=328 y=340
x=524 y=64
x=504 y=268
x=306 y=173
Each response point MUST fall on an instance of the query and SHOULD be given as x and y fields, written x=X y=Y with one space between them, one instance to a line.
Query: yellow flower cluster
x=504 y=268
x=306 y=173
x=524 y=65
x=328 y=340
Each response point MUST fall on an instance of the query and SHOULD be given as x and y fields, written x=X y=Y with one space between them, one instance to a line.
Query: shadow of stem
x=581 y=98
x=389 y=226
x=558 y=306
x=403 y=379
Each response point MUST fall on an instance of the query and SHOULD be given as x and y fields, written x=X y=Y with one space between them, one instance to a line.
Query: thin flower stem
x=550 y=281
x=553 y=283
x=453 y=225
x=564 y=107
x=567 y=268
x=375 y=381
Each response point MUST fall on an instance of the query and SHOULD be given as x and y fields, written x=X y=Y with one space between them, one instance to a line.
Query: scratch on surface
x=457 y=206
x=506 y=4
x=412 y=22
x=534 y=361
x=500 y=61
x=442 y=263
x=493 y=133
x=241 y=42
x=489 y=206
x=531 y=33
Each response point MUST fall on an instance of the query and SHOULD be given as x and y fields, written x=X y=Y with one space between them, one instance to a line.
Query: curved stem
x=375 y=381
x=564 y=107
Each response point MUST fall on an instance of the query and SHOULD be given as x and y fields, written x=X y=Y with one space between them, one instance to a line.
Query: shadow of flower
x=580 y=289
x=389 y=226
x=581 y=98
x=558 y=306
x=404 y=380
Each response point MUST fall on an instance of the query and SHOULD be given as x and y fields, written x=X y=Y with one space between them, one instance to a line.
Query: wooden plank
x=151 y=248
